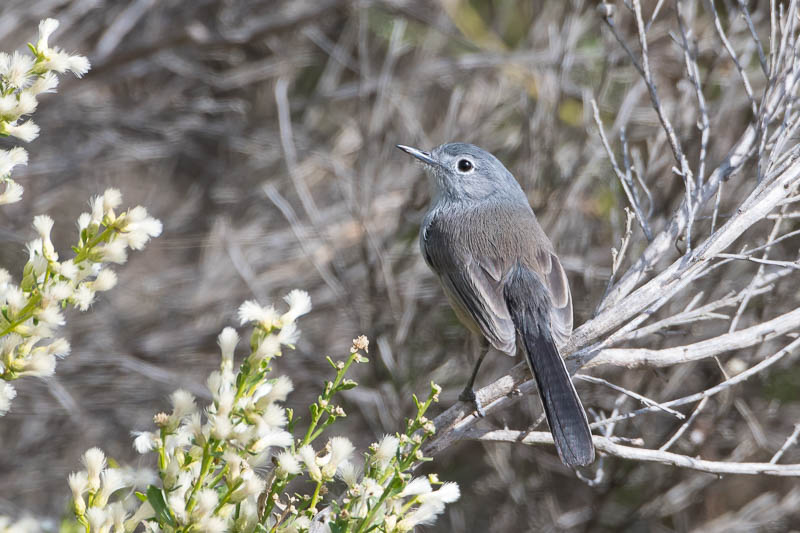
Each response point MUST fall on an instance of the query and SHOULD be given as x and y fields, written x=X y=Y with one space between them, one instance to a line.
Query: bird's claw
x=468 y=396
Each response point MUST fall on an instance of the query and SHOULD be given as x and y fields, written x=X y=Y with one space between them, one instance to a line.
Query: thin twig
x=608 y=446
x=645 y=400
x=791 y=440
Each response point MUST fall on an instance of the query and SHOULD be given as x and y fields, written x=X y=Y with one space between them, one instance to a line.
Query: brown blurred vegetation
x=262 y=134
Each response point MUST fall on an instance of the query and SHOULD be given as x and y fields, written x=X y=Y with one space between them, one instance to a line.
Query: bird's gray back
x=473 y=246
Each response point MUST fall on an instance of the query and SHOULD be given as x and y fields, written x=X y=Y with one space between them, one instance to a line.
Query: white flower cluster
x=209 y=460
x=31 y=312
x=22 y=79
x=93 y=488
x=228 y=467
x=417 y=503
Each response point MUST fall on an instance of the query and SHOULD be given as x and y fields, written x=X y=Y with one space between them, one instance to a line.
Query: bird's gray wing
x=474 y=287
x=555 y=279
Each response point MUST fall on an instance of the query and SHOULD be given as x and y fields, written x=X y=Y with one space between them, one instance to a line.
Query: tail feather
x=529 y=305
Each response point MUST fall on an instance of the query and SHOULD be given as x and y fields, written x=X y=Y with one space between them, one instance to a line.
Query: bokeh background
x=262 y=134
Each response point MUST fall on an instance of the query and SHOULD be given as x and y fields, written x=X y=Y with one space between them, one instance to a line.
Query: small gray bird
x=503 y=279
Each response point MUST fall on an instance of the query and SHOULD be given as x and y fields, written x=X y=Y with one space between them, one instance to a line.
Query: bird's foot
x=468 y=396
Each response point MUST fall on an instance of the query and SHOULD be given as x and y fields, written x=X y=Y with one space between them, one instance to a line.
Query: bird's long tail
x=529 y=305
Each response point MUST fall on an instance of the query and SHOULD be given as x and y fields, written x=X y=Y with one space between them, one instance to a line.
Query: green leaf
x=347 y=385
x=330 y=361
x=337 y=528
x=156 y=498
x=141 y=496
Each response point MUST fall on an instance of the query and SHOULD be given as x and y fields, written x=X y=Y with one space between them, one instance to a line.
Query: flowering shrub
x=22 y=79
x=229 y=466
x=239 y=463
x=31 y=312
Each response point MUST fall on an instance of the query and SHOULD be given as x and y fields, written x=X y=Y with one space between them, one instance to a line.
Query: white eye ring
x=465 y=166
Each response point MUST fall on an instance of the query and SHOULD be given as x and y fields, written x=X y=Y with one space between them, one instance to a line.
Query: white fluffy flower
x=272 y=437
x=43 y=225
x=12 y=193
x=27 y=131
x=58 y=291
x=118 y=516
x=418 y=485
x=269 y=347
x=106 y=279
x=299 y=304
x=7 y=393
x=111 y=480
x=252 y=311
x=8 y=107
x=306 y=453
x=15 y=68
x=227 y=341
x=98 y=518
x=83 y=296
x=341 y=449
x=424 y=514
x=289 y=334
x=46 y=83
x=349 y=473
x=447 y=493
x=60 y=347
x=68 y=269
x=46 y=29
x=288 y=465
x=11 y=158
x=182 y=403
x=145 y=441
x=140 y=227
x=221 y=426
x=26 y=104
x=40 y=364
x=114 y=251
x=387 y=449
x=281 y=388
x=274 y=416
x=60 y=61
x=252 y=486
x=78 y=484
x=112 y=199
x=207 y=500
x=51 y=315
x=213 y=524
x=95 y=462
x=15 y=299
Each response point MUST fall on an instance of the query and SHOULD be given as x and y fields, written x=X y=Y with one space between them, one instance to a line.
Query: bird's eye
x=465 y=165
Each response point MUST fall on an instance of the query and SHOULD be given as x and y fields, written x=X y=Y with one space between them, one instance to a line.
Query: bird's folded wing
x=475 y=289
x=555 y=279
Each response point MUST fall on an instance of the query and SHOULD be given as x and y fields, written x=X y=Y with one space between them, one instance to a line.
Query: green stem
x=315 y=497
x=227 y=496
x=207 y=457
x=216 y=479
x=311 y=434
x=24 y=314
x=368 y=519
x=270 y=502
x=87 y=248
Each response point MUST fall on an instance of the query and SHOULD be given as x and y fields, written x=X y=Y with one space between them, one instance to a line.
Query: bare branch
x=608 y=446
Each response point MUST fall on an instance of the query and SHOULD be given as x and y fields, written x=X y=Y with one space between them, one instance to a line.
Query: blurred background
x=262 y=134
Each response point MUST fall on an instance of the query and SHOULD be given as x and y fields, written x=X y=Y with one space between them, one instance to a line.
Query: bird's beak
x=425 y=157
